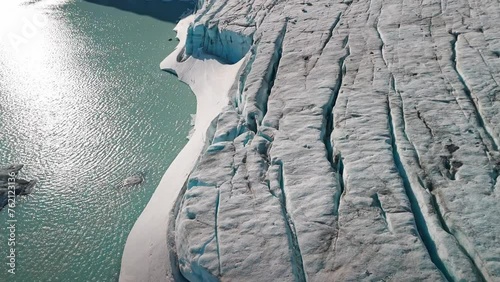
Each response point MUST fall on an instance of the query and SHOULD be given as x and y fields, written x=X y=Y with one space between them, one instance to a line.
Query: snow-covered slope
x=360 y=142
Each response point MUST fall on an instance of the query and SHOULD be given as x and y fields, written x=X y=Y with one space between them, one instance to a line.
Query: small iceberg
x=132 y=180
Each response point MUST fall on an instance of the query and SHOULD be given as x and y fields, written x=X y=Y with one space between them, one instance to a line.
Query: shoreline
x=146 y=254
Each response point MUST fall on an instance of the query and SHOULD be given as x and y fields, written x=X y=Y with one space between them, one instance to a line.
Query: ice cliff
x=360 y=143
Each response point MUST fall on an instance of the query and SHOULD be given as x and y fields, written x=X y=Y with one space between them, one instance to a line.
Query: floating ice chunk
x=133 y=180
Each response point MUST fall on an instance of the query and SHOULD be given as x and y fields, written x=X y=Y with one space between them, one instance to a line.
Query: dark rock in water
x=12 y=168
x=6 y=172
x=28 y=187
x=24 y=188
x=19 y=186
x=133 y=180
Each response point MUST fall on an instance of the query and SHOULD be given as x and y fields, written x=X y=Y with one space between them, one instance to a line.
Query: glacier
x=334 y=141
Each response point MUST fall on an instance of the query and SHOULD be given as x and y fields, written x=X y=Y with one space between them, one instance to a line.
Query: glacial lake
x=83 y=105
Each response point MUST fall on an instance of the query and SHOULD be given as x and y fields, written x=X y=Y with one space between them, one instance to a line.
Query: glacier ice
x=360 y=142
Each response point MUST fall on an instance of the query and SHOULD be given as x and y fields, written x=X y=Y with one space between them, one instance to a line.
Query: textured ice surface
x=360 y=143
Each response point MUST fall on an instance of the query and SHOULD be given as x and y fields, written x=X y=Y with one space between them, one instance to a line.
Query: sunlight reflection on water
x=83 y=105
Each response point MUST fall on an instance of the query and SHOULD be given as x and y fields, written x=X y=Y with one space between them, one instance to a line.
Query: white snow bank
x=146 y=256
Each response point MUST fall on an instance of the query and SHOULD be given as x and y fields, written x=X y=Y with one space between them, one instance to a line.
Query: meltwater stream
x=83 y=105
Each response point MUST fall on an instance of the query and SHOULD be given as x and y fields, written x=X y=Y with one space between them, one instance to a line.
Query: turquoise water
x=83 y=105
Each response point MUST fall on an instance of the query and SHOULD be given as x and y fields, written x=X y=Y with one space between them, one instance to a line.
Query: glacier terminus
x=334 y=141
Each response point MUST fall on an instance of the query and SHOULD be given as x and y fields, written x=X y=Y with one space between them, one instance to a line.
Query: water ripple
x=84 y=105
